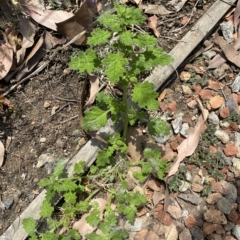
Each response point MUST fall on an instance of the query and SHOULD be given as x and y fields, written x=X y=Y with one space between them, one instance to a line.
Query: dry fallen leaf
x=45 y=42
x=94 y=88
x=177 y=4
x=81 y=21
x=162 y=95
x=47 y=18
x=236 y=15
x=152 y=23
x=220 y=58
x=135 y=139
x=187 y=146
x=156 y=9
x=230 y=52
x=158 y=196
x=2 y=150
x=6 y=58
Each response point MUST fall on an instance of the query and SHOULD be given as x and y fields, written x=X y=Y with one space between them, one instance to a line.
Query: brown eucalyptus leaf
x=94 y=89
x=81 y=21
x=229 y=51
x=236 y=15
x=2 y=150
x=47 y=18
x=187 y=146
x=152 y=23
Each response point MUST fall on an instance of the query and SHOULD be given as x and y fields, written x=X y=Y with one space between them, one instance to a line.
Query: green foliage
x=120 y=65
x=30 y=225
x=158 y=127
x=195 y=79
x=87 y=61
x=203 y=158
x=99 y=37
x=129 y=203
x=151 y=164
x=145 y=96
x=233 y=117
x=126 y=54
x=175 y=181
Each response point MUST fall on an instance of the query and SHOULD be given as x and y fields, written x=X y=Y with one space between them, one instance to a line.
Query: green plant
x=175 y=181
x=203 y=158
x=234 y=117
x=151 y=164
x=69 y=188
x=196 y=79
x=128 y=55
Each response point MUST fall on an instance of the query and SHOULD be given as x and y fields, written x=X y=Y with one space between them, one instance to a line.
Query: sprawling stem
x=125 y=119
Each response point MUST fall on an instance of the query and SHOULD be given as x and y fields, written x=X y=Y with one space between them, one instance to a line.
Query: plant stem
x=125 y=102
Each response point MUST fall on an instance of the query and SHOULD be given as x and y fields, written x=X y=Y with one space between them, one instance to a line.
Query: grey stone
x=135 y=227
x=213 y=118
x=224 y=205
x=222 y=135
x=237 y=139
x=209 y=54
x=236 y=231
x=184 y=130
x=236 y=84
x=185 y=234
x=177 y=123
x=8 y=203
x=229 y=191
x=232 y=104
x=197 y=233
x=162 y=138
x=218 y=72
x=227 y=31
x=228 y=226
x=194 y=199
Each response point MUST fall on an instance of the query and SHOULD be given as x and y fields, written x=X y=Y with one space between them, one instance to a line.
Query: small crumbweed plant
x=126 y=55
x=129 y=54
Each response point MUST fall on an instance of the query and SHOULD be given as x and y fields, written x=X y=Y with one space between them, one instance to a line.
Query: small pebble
x=184 y=186
x=236 y=231
x=8 y=203
x=184 y=130
x=43 y=139
x=213 y=118
x=236 y=84
x=135 y=227
x=177 y=123
x=194 y=199
x=223 y=136
x=224 y=205
x=209 y=54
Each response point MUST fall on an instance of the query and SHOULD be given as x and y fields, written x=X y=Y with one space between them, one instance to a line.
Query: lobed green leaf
x=99 y=37
x=29 y=224
x=145 y=96
x=115 y=66
x=95 y=119
x=158 y=126
x=126 y=38
x=85 y=61
x=46 y=209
